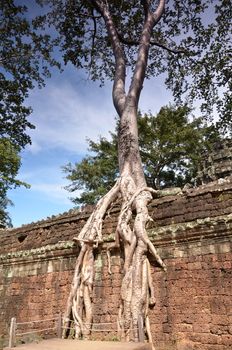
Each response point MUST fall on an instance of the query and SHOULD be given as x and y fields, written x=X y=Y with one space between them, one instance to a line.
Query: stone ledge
x=158 y=231
x=169 y=195
x=38 y=251
x=161 y=236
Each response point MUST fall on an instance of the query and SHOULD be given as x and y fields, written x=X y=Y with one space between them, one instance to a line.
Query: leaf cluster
x=9 y=167
x=95 y=174
x=25 y=55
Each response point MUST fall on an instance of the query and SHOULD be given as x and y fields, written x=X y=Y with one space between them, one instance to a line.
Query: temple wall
x=192 y=232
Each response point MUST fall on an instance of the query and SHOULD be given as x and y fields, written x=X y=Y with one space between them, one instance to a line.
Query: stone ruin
x=217 y=164
x=193 y=234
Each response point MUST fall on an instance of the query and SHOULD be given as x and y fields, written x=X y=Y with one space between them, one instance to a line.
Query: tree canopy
x=25 y=55
x=190 y=45
x=170 y=146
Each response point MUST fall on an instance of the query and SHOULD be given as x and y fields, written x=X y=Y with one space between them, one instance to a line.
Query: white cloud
x=67 y=111
x=54 y=192
x=64 y=116
x=34 y=147
x=46 y=182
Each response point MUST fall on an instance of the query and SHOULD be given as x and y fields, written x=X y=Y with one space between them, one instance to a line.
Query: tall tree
x=170 y=145
x=190 y=42
x=25 y=56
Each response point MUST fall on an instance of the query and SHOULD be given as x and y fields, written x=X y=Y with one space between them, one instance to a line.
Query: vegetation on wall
x=148 y=38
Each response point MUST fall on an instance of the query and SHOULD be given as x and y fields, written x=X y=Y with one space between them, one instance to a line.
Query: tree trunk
x=137 y=291
x=137 y=284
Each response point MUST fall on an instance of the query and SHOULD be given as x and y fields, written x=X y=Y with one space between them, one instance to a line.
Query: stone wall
x=192 y=232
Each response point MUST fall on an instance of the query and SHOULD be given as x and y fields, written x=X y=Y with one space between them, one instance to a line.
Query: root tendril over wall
x=137 y=291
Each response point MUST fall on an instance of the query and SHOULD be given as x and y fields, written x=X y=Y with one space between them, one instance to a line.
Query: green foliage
x=24 y=58
x=25 y=55
x=170 y=147
x=95 y=174
x=9 y=166
x=191 y=45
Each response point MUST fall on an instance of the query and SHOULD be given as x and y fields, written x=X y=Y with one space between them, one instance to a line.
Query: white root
x=152 y=300
x=136 y=299
x=137 y=291
x=73 y=291
x=109 y=261
x=79 y=305
x=92 y=231
x=148 y=328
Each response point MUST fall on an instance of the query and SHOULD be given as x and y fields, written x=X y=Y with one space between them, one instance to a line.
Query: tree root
x=79 y=305
x=137 y=291
x=109 y=261
x=92 y=231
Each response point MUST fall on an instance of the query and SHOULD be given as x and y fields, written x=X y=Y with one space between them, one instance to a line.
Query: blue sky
x=68 y=110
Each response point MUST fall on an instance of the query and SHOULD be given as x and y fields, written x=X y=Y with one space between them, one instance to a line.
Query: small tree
x=170 y=146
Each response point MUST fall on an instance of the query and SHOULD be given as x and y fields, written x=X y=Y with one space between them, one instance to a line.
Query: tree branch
x=141 y=64
x=159 y=11
x=93 y=37
x=162 y=46
x=131 y=42
x=146 y=6
x=119 y=95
